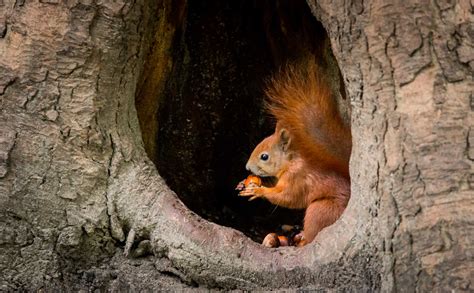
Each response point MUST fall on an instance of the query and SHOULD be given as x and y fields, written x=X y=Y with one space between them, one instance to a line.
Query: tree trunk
x=408 y=70
x=82 y=206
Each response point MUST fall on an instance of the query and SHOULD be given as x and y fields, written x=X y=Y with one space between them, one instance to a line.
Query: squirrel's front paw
x=253 y=192
x=247 y=191
x=241 y=185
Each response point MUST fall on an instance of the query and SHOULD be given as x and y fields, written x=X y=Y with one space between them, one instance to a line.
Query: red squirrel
x=309 y=151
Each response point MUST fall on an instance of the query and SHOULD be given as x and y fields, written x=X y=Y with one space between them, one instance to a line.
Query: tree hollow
x=200 y=100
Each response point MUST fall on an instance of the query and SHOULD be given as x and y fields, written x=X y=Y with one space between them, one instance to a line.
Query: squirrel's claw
x=240 y=186
x=254 y=197
x=252 y=192
x=247 y=192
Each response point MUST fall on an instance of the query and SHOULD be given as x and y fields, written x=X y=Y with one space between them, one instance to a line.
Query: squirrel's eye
x=264 y=157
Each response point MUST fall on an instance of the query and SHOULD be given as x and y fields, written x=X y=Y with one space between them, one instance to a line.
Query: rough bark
x=77 y=189
x=408 y=68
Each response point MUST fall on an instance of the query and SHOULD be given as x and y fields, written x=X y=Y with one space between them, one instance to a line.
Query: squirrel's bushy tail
x=301 y=100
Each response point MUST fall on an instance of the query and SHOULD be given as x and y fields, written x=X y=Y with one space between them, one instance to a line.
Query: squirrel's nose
x=247 y=167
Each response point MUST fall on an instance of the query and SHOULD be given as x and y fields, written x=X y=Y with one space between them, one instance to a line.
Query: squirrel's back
x=301 y=100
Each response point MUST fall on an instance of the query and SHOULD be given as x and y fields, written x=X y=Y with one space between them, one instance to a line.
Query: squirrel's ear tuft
x=284 y=139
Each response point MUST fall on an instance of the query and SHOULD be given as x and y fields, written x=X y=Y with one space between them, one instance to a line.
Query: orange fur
x=309 y=151
x=301 y=101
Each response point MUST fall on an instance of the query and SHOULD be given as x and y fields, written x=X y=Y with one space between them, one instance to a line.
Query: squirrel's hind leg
x=320 y=214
